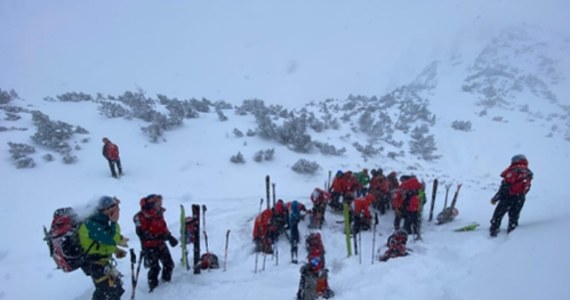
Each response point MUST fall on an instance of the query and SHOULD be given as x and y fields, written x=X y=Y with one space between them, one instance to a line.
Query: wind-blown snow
x=287 y=53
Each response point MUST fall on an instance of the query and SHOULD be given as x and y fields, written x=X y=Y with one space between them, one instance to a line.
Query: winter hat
x=106 y=140
x=149 y=201
x=106 y=202
x=518 y=158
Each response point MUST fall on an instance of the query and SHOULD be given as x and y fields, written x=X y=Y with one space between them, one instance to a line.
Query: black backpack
x=63 y=240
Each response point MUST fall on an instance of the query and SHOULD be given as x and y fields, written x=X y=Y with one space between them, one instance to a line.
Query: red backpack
x=63 y=240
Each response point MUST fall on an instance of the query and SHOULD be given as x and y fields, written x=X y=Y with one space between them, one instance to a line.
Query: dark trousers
x=511 y=204
x=112 y=164
x=106 y=287
x=411 y=222
x=153 y=256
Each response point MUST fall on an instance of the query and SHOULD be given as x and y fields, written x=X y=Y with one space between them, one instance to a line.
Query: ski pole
x=226 y=249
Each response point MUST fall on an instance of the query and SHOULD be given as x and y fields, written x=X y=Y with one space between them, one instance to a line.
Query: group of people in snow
x=101 y=240
x=404 y=195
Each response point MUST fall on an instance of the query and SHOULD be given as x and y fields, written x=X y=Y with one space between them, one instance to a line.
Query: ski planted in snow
x=226 y=249
x=196 y=218
x=183 y=238
x=433 y=194
x=374 y=236
x=267 y=184
x=347 y=229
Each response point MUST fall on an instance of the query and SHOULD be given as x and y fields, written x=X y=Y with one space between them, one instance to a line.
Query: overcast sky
x=279 y=51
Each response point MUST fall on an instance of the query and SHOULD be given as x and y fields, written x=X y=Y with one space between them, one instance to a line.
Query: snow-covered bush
x=328 y=149
x=221 y=115
x=238 y=158
x=461 y=125
x=74 y=97
x=262 y=155
x=237 y=133
x=19 y=154
x=423 y=145
x=304 y=166
x=51 y=134
x=366 y=151
x=112 y=110
x=6 y=97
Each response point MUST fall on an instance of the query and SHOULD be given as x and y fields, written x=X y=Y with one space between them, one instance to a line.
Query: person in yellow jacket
x=100 y=236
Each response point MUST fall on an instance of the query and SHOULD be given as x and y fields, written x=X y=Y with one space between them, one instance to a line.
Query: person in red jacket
x=153 y=232
x=410 y=187
x=361 y=218
x=111 y=153
x=320 y=199
x=511 y=196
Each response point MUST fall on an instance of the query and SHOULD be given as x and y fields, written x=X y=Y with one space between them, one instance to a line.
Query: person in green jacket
x=100 y=236
x=363 y=179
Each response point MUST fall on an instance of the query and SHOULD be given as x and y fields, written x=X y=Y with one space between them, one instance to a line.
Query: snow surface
x=289 y=53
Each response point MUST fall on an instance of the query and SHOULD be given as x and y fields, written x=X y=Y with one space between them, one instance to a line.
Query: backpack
x=209 y=261
x=294 y=213
x=63 y=240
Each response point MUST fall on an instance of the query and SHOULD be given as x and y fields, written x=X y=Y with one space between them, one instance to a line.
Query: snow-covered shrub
x=367 y=151
x=18 y=150
x=423 y=145
x=461 y=125
x=250 y=133
x=237 y=133
x=112 y=110
x=51 y=134
x=221 y=115
x=69 y=159
x=328 y=149
x=238 y=158
x=268 y=154
x=12 y=117
x=262 y=155
x=48 y=157
x=258 y=156
x=304 y=166
x=25 y=163
x=74 y=97
x=6 y=97
x=202 y=106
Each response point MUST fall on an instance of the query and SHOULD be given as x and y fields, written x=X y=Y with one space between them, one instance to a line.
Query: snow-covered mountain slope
x=190 y=164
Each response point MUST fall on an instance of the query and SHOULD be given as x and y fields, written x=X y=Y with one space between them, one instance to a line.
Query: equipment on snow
x=135 y=275
x=449 y=213
x=267 y=181
x=256 y=251
x=433 y=194
x=470 y=227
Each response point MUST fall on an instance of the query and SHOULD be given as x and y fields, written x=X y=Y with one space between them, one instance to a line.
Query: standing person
x=363 y=179
x=153 y=232
x=100 y=236
x=410 y=188
x=320 y=198
x=512 y=194
x=111 y=153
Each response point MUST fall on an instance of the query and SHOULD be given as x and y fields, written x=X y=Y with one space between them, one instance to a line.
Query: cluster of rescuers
x=100 y=235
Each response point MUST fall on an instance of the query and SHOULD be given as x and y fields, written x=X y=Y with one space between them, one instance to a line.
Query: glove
x=124 y=242
x=120 y=253
x=494 y=201
x=172 y=241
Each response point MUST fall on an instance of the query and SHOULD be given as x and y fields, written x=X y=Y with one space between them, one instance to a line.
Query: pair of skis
x=196 y=234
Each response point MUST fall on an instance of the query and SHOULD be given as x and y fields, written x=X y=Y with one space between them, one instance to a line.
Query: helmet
x=106 y=202
x=518 y=158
